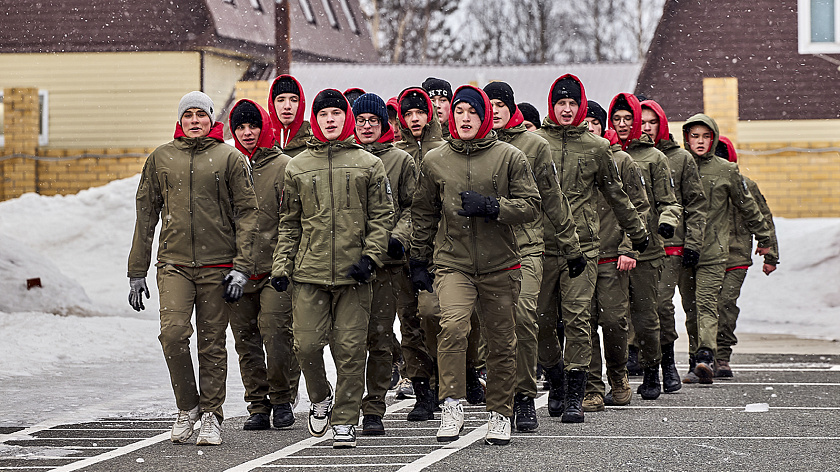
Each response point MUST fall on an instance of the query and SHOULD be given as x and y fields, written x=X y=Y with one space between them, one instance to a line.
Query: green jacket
x=659 y=187
x=298 y=142
x=689 y=192
x=555 y=206
x=204 y=189
x=430 y=138
x=475 y=245
x=269 y=170
x=402 y=175
x=724 y=188
x=336 y=208
x=585 y=164
x=614 y=242
x=741 y=239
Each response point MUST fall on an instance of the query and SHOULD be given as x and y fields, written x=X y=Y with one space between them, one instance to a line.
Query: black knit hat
x=329 y=98
x=621 y=104
x=595 y=110
x=372 y=103
x=437 y=87
x=566 y=88
x=413 y=99
x=501 y=91
x=284 y=85
x=353 y=93
x=245 y=112
x=530 y=113
x=470 y=96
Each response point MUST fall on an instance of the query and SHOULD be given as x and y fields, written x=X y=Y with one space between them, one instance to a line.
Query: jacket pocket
x=219 y=200
x=315 y=193
x=166 y=187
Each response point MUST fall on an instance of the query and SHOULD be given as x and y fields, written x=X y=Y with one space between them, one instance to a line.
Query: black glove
x=421 y=279
x=666 y=230
x=576 y=266
x=641 y=245
x=395 y=249
x=362 y=270
x=690 y=257
x=476 y=204
x=280 y=283
x=135 y=296
x=234 y=283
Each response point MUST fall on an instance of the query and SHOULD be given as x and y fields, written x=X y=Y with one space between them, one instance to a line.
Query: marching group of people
x=500 y=241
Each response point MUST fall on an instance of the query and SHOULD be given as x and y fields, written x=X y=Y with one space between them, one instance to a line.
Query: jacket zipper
x=332 y=211
x=192 y=212
x=347 y=188
x=473 y=219
x=315 y=192
x=219 y=200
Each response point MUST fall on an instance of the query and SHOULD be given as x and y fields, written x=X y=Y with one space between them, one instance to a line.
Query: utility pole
x=282 y=45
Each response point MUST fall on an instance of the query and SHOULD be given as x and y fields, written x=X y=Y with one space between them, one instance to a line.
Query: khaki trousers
x=644 y=296
x=610 y=307
x=380 y=338
x=703 y=285
x=527 y=326
x=728 y=312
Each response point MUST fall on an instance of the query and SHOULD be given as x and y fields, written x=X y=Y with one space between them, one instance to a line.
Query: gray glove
x=234 y=284
x=135 y=296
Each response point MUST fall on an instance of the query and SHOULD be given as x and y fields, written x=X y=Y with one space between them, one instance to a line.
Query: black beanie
x=352 y=94
x=437 y=87
x=566 y=88
x=595 y=110
x=530 y=113
x=372 y=103
x=501 y=91
x=328 y=98
x=621 y=104
x=245 y=112
x=284 y=85
x=470 y=96
x=413 y=99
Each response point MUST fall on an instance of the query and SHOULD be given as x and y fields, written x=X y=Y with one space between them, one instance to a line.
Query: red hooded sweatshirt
x=515 y=120
x=636 y=129
x=429 y=105
x=217 y=132
x=731 y=155
x=266 y=139
x=349 y=123
x=581 y=114
x=664 y=133
x=282 y=133
x=486 y=122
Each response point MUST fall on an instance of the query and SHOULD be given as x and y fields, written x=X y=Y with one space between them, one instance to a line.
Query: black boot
x=670 y=376
x=705 y=366
x=475 y=392
x=650 y=389
x=282 y=414
x=424 y=408
x=576 y=387
x=525 y=413
x=557 y=392
x=633 y=367
x=372 y=426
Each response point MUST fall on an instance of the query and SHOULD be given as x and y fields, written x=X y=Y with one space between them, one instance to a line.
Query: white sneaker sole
x=208 y=442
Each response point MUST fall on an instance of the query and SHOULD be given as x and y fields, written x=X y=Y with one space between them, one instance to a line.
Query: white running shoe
x=210 y=433
x=182 y=430
x=451 y=422
x=498 y=430
x=344 y=435
x=319 y=415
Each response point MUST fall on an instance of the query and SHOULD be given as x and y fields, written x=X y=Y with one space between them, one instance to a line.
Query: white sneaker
x=451 y=422
x=344 y=435
x=210 y=433
x=498 y=430
x=182 y=430
x=319 y=415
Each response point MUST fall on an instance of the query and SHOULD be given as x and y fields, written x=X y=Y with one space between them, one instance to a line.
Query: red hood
x=354 y=89
x=387 y=136
x=266 y=139
x=664 y=133
x=292 y=130
x=349 y=122
x=732 y=156
x=394 y=103
x=486 y=122
x=636 y=129
x=581 y=114
x=515 y=120
x=425 y=95
x=217 y=131
x=611 y=136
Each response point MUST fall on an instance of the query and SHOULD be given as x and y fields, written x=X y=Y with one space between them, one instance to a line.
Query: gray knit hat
x=197 y=100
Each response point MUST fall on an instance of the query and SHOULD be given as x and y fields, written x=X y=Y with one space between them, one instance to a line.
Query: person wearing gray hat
x=198 y=100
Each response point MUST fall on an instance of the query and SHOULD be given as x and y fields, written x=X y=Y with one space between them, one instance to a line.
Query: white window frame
x=44 y=118
x=328 y=9
x=806 y=46
x=306 y=8
x=256 y=5
x=348 y=13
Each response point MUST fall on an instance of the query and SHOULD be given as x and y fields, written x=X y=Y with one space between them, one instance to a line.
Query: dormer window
x=819 y=26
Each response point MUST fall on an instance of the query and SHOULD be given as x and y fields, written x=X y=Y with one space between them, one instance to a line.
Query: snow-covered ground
x=74 y=349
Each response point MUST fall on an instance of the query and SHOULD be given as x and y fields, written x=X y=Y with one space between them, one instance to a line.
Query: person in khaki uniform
x=391 y=285
x=336 y=216
x=724 y=188
x=471 y=195
x=204 y=256
x=737 y=264
x=584 y=163
x=662 y=218
x=683 y=249
x=611 y=303
x=261 y=321
x=287 y=107
x=508 y=125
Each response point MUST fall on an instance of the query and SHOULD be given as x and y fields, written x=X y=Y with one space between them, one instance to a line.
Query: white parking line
x=120 y=451
x=750 y=438
x=739 y=407
x=334 y=466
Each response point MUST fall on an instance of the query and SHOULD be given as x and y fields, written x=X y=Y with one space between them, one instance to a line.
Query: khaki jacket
x=614 y=242
x=298 y=143
x=430 y=138
x=269 y=169
x=203 y=189
x=740 y=238
x=689 y=192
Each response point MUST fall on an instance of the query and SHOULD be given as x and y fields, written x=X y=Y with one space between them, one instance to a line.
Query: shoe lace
x=207 y=424
x=404 y=383
x=343 y=429
x=183 y=417
x=447 y=419
x=497 y=423
x=321 y=408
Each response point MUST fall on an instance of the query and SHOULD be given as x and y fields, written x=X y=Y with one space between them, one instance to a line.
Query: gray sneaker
x=405 y=389
x=184 y=425
x=344 y=435
x=210 y=433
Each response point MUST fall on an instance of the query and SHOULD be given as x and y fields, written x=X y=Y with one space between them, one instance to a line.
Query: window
x=348 y=13
x=307 y=11
x=330 y=14
x=43 y=118
x=819 y=26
